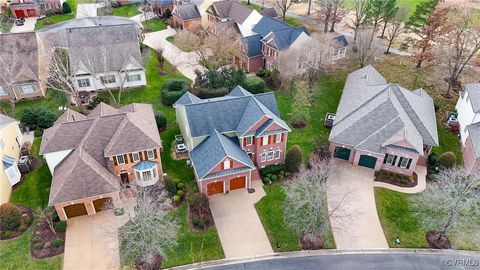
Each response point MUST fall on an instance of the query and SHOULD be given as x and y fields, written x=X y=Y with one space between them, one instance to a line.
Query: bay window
x=146 y=173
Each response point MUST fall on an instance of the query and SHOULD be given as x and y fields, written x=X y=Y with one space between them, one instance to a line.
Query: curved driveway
x=357 y=226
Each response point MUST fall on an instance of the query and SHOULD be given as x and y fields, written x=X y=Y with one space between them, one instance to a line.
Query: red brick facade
x=187 y=24
x=126 y=169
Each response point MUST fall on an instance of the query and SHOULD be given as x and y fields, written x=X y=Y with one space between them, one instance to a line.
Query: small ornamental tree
x=161 y=121
x=198 y=202
x=38 y=118
x=293 y=159
x=446 y=160
x=10 y=217
x=66 y=8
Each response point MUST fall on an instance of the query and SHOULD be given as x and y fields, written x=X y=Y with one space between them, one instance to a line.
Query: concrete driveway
x=358 y=226
x=87 y=10
x=91 y=242
x=186 y=62
x=29 y=25
x=240 y=230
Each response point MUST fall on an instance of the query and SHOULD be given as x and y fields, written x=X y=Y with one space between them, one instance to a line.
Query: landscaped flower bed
x=273 y=173
x=199 y=215
x=48 y=238
x=17 y=222
x=396 y=179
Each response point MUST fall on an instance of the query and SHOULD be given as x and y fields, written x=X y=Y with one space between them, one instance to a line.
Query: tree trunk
x=334 y=19
x=327 y=18
x=309 y=7
x=355 y=34
x=284 y=13
x=420 y=60
x=373 y=34
x=248 y=2
x=389 y=45
x=383 y=30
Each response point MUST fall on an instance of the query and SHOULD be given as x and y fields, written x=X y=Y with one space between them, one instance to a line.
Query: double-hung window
x=265 y=140
x=227 y=164
x=120 y=159
x=277 y=154
x=390 y=159
x=278 y=137
x=27 y=89
x=270 y=155
x=263 y=157
x=83 y=83
x=249 y=140
x=150 y=154
x=133 y=77
x=135 y=157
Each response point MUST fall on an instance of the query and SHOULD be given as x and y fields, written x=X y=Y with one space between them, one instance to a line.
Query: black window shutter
x=400 y=162
x=394 y=160
x=140 y=155
x=125 y=158
x=409 y=163
x=115 y=161
x=155 y=153
x=385 y=159
x=145 y=154
x=131 y=157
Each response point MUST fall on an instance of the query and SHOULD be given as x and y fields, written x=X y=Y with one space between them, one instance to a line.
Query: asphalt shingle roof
x=213 y=150
x=187 y=98
x=253 y=45
x=233 y=10
x=187 y=12
x=473 y=90
x=24 y=47
x=373 y=114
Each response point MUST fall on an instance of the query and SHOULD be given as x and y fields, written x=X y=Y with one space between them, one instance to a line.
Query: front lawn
x=128 y=10
x=398 y=220
x=49 y=20
x=34 y=193
x=269 y=209
x=154 y=25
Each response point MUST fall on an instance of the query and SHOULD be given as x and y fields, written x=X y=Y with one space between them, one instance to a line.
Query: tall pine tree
x=418 y=19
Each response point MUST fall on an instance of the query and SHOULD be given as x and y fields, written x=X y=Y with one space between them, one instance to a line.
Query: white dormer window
x=278 y=137
x=249 y=140
x=265 y=140
x=150 y=154
x=227 y=164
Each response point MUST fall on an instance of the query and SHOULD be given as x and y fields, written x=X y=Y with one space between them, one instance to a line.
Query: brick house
x=34 y=8
x=21 y=68
x=383 y=126
x=160 y=7
x=90 y=157
x=186 y=16
x=229 y=137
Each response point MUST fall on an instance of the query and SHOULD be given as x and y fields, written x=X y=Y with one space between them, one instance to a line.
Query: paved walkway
x=29 y=25
x=238 y=225
x=92 y=243
x=422 y=183
x=87 y=10
x=357 y=226
x=186 y=62
x=28 y=137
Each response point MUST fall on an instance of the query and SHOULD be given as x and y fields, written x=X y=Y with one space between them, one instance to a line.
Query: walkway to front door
x=240 y=230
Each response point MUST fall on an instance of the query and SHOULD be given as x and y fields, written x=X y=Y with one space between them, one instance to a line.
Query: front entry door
x=124 y=179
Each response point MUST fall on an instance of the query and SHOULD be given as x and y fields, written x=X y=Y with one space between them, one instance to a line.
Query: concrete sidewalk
x=29 y=25
x=358 y=226
x=239 y=227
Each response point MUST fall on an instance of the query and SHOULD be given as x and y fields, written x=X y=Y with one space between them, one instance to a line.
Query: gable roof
x=253 y=45
x=474 y=134
x=209 y=153
x=270 y=12
x=69 y=116
x=283 y=35
x=187 y=11
x=24 y=47
x=187 y=98
x=340 y=41
x=473 y=90
x=231 y=9
x=234 y=112
x=373 y=114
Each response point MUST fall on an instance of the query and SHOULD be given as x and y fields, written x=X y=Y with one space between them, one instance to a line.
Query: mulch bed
x=46 y=236
x=207 y=220
x=434 y=241
x=386 y=177
x=27 y=220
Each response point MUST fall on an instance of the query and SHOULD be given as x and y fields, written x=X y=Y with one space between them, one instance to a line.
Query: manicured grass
x=170 y=39
x=154 y=25
x=270 y=212
x=5 y=27
x=47 y=21
x=293 y=22
x=410 y=4
x=398 y=219
x=34 y=193
x=326 y=93
x=53 y=100
x=193 y=246
x=128 y=10
x=252 y=5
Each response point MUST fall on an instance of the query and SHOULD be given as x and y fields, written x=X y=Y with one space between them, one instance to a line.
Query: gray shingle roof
x=187 y=98
x=213 y=150
x=373 y=114
x=5 y=120
x=187 y=12
x=270 y=12
x=284 y=34
x=23 y=46
x=474 y=134
x=233 y=10
x=231 y=113
x=473 y=90
x=340 y=41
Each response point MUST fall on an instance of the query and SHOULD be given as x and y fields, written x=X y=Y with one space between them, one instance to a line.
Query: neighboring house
x=468 y=108
x=229 y=137
x=160 y=7
x=10 y=139
x=34 y=8
x=381 y=125
x=471 y=150
x=245 y=17
x=269 y=12
x=91 y=156
x=22 y=73
x=110 y=59
x=186 y=16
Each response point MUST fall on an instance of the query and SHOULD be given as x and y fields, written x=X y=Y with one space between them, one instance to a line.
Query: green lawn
x=410 y=4
x=170 y=39
x=252 y=5
x=193 y=246
x=49 y=20
x=398 y=220
x=5 y=27
x=269 y=209
x=34 y=193
x=154 y=25
x=53 y=100
x=293 y=22
x=128 y=10
x=327 y=93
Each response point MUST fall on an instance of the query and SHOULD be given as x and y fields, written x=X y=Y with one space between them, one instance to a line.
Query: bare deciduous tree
x=451 y=204
x=283 y=6
x=364 y=55
x=325 y=10
x=149 y=230
x=339 y=12
x=187 y=41
x=45 y=214
x=459 y=45
x=360 y=8
x=396 y=26
x=305 y=206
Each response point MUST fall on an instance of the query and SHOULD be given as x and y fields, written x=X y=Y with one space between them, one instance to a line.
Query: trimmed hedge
x=170 y=184
x=271 y=169
x=61 y=226
x=254 y=85
x=212 y=93
x=9 y=216
x=172 y=90
x=161 y=120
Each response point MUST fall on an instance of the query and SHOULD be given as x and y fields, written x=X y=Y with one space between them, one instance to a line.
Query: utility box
x=24 y=164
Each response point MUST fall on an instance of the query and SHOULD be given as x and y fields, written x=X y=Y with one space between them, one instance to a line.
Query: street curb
x=326 y=252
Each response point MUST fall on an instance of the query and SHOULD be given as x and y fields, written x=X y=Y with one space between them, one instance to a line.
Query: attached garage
x=102 y=204
x=75 y=210
x=342 y=153
x=237 y=183
x=367 y=161
x=19 y=14
x=31 y=13
x=215 y=188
